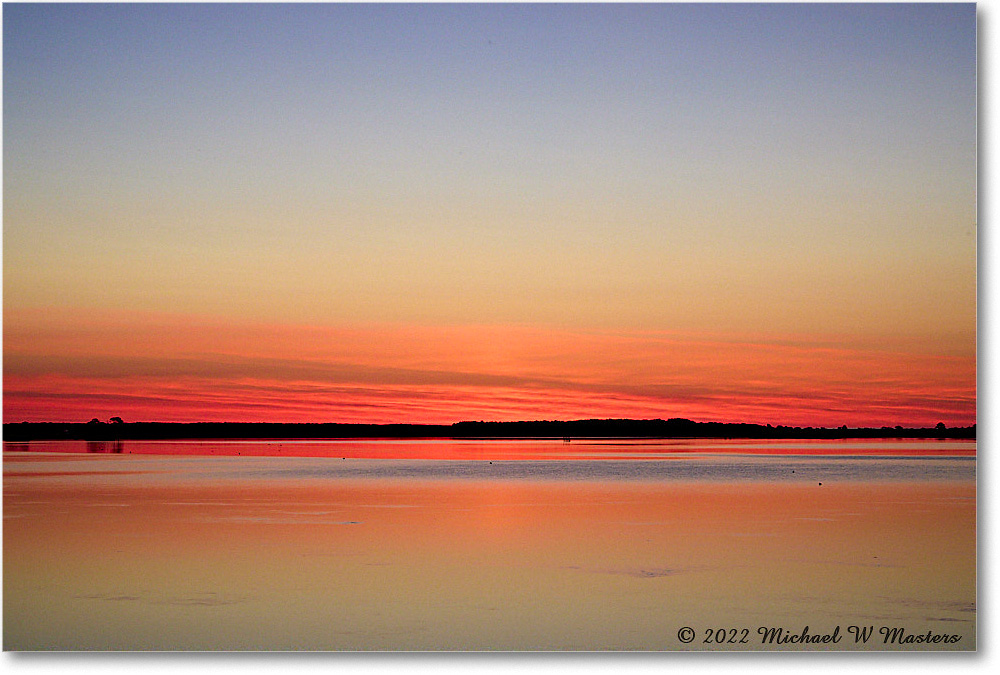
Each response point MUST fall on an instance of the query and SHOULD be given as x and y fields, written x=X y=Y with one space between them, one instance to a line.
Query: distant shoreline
x=607 y=428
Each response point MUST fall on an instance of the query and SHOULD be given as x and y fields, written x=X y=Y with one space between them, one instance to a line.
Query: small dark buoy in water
x=491 y=462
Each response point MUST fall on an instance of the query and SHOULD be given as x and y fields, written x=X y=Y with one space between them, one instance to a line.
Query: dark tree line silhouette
x=116 y=429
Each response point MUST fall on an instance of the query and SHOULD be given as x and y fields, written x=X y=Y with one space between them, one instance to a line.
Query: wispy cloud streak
x=185 y=369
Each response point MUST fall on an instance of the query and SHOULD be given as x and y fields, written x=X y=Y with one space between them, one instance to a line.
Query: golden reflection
x=484 y=564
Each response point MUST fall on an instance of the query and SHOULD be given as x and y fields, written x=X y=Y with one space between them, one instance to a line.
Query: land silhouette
x=116 y=429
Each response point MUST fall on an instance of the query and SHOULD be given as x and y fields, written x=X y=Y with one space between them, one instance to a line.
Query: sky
x=435 y=213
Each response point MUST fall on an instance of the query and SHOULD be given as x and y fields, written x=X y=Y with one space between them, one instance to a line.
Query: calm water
x=487 y=544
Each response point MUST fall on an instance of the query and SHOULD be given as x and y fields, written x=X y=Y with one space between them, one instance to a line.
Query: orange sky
x=431 y=213
x=148 y=366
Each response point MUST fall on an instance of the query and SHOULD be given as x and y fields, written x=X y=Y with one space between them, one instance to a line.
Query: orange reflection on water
x=133 y=563
x=509 y=449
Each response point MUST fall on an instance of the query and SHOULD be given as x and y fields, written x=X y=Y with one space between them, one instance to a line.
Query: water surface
x=484 y=544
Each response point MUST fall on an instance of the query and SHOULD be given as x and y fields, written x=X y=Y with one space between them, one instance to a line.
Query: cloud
x=162 y=367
